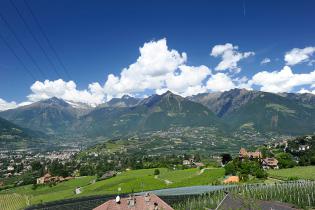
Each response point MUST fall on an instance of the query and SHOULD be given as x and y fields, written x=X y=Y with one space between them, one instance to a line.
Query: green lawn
x=303 y=172
x=129 y=181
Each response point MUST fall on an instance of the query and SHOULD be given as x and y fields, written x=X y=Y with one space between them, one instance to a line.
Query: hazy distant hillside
x=271 y=112
x=8 y=128
x=284 y=113
x=124 y=101
x=287 y=113
x=223 y=103
x=50 y=116
x=153 y=113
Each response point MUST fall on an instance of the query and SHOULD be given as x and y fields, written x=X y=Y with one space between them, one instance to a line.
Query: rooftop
x=144 y=202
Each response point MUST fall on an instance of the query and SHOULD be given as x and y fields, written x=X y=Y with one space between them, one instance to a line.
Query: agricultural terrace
x=299 y=193
x=304 y=172
x=127 y=182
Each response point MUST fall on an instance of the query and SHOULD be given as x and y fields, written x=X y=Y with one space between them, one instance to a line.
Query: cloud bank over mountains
x=158 y=69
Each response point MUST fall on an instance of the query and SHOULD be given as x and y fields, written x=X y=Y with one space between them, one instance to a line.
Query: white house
x=304 y=147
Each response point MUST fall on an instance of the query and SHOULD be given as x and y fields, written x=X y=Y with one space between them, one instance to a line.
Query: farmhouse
x=245 y=154
x=191 y=162
x=186 y=162
x=147 y=201
x=270 y=163
x=47 y=178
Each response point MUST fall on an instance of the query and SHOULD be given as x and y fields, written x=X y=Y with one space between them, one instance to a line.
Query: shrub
x=156 y=172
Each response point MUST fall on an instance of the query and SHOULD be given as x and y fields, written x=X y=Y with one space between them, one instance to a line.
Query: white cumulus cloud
x=230 y=57
x=303 y=90
x=66 y=90
x=282 y=81
x=4 y=105
x=188 y=80
x=220 y=82
x=159 y=68
x=297 y=55
x=223 y=82
x=265 y=60
x=155 y=62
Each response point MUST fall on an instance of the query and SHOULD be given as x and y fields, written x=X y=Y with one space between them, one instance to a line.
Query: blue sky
x=97 y=38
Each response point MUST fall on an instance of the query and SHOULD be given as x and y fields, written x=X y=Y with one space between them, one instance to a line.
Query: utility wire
x=17 y=57
x=29 y=29
x=49 y=60
x=47 y=39
x=20 y=43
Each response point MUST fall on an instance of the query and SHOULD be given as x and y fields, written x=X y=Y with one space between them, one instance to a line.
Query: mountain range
x=284 y=113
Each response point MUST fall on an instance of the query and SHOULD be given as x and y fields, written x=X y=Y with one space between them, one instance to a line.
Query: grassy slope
x=45 y=193
x=134 y=180
x=307 y=172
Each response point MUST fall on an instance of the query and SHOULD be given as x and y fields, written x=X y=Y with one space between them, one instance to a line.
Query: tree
x=261 y=173
x=58 y=169
x=230 y=168
x=86 y=170
x=36 y=166
x=243 y=177
x=285 y=160
x=226 y=158
x=197 y=157
x=156 y=172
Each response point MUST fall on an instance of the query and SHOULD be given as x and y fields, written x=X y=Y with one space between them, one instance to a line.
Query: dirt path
x=167 y=182
x=202 y=170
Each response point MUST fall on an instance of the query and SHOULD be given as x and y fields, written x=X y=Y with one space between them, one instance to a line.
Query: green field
x=129 y=181
x=305 y=172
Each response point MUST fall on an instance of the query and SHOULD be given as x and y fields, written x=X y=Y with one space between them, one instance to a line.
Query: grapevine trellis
x=12 y=201
x=299 y=193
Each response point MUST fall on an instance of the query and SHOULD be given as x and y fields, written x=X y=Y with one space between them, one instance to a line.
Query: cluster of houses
x=267 y=163
x=192 y=163
x=47 y=178
x=18 y=162
x=13 y=164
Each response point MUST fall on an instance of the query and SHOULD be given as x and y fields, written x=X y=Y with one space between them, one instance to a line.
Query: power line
x=20 y=42
x=29 y=29
x=48 y=58
x=47 y=39
x=17 y=57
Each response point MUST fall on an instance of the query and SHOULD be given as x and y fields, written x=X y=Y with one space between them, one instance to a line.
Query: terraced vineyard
x=300 y=193
x=13 y=201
